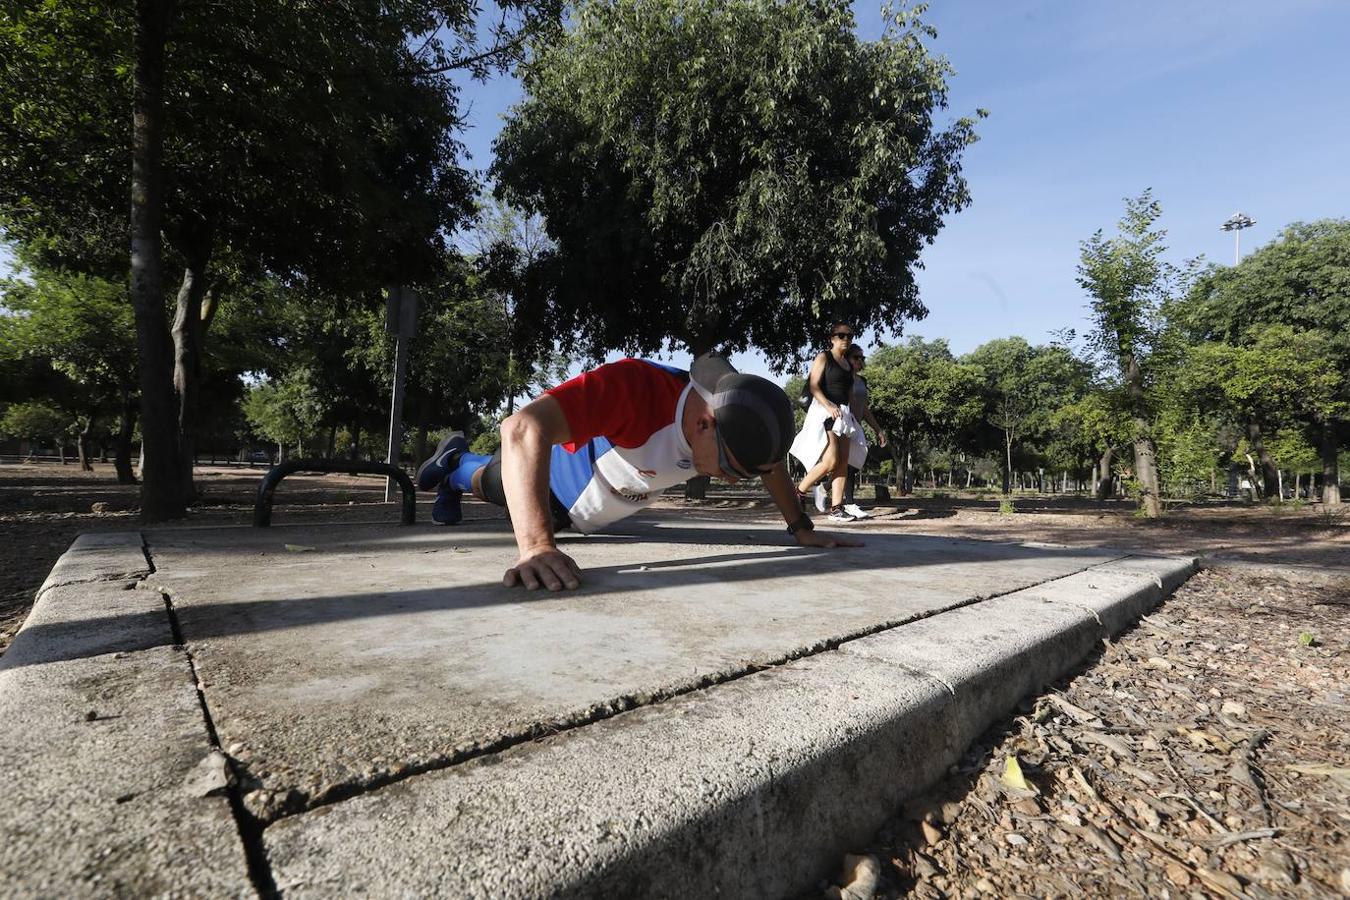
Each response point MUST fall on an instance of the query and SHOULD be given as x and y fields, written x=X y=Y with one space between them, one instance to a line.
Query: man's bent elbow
x=516 y=429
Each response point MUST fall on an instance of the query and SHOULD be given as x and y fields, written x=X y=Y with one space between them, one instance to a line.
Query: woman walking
x=825 y=446
x=862 y=411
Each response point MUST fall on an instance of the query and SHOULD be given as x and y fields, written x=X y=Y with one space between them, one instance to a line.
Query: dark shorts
x=494 y=492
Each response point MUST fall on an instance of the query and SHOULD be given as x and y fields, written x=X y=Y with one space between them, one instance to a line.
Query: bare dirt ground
x=1204 y=753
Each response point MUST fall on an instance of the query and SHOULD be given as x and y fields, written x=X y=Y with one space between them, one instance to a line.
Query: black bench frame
x=262 y=508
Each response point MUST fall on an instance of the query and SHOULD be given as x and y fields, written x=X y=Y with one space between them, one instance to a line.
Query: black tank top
x=836 y=381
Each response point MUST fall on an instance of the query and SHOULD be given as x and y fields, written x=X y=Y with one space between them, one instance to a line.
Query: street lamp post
x=1236 y=222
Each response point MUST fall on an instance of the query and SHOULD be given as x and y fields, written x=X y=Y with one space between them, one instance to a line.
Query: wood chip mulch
x=1203 y=753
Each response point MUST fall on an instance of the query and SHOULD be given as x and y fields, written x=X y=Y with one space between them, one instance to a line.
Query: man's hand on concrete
x=808 y=538
x=550 y=567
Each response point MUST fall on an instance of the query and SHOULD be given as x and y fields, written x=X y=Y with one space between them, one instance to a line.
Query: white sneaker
x=822 y=501
x=856 y=511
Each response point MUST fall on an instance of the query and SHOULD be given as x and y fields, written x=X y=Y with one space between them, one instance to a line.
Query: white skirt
x=810 y=443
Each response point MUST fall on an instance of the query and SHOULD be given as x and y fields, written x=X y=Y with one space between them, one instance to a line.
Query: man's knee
x=489 y=481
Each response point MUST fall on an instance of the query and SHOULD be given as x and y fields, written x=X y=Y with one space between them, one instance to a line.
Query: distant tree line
x=1189 y=374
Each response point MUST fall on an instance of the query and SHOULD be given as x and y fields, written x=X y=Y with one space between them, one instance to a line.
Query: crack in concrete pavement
x=249 y=828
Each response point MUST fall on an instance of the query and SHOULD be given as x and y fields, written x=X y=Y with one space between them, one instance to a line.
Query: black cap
x=754 y=416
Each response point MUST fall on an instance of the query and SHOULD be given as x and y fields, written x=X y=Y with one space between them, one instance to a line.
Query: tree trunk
x=420 y=444
x=187 y=344
x=1269 y=477
x=900 y=462
x=1007 y=471
x=355 y=452
x=696 y=488
x=1146 y=470
x=82 y=444
x=1254 y=492
x=125 y=427
x=161 y=490
x=332 y=442
x=1145 y=454
x=1327 y=450
x=1103 y=485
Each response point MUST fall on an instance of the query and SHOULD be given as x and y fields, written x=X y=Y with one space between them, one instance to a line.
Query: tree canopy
x=730 y=173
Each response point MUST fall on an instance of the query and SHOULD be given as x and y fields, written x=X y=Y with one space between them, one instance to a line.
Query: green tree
x=1023 y=386
x=1301 y=280
x=922 y=396
x=81 y=327
x=1092 y=427
x=508 y=245
x=314 y=146
x=36 y=421
x=1129 y=281
x=1284 y=378
x=729 y=173
x=287 y=411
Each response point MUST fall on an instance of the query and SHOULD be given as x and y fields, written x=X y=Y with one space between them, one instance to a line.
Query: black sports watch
x=803 y=523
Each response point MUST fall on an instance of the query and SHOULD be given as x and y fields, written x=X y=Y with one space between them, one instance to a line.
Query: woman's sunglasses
x=843 y=335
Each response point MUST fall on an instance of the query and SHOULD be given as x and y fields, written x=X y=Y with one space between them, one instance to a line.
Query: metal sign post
x=400 y=319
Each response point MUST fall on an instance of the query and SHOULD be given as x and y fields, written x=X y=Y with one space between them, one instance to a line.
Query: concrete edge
x=99 y=556
x=104 y=739
x=755 y=787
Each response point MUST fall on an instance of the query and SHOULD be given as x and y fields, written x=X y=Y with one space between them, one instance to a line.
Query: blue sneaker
x=431 y=473
x=446 y=510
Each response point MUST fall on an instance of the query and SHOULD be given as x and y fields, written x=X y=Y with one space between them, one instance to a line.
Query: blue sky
x=1217 y=106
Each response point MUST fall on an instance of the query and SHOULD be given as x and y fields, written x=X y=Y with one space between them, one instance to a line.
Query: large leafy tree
x=313 y=143
x=1129 y=281
x=1091 y=427
x=1022 y=387
x=1300 y=280
x=1284 y=379
x=81 y=327
x=730 y=173
x=36 y=420
x=922 y=396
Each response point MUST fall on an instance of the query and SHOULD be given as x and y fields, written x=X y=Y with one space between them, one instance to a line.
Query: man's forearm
x=525 y=469
x=783 y=492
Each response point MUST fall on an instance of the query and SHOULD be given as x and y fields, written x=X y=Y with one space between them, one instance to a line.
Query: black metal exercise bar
x=262 y=508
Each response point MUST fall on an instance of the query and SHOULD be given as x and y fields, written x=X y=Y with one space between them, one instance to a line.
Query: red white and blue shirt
x=626 y=444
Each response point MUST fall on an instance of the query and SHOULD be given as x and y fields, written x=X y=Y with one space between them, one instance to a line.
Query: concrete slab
x=755 y=787
x=101 y=732
x=752 y=789
x=715 y=712
x=362 y=655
